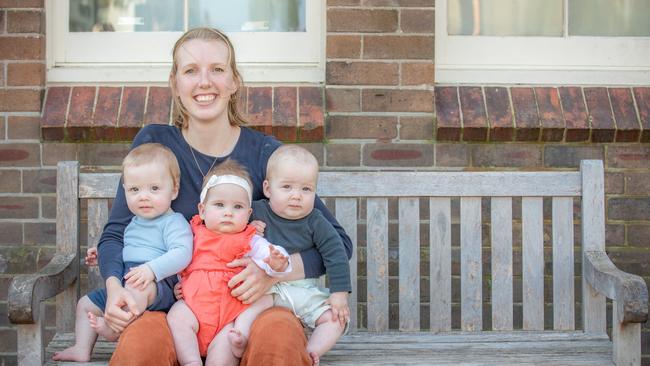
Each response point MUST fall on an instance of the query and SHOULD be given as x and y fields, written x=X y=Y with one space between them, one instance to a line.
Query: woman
x=208 y=129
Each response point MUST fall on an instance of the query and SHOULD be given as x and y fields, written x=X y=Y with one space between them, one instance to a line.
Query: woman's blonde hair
x=206 y=34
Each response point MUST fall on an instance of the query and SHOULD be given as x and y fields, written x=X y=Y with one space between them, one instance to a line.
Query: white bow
x=216 y=180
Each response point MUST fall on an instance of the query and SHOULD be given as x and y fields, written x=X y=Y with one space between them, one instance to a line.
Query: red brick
x=19 y=208
x=343 y=2
x=499 y=114
x=398 y=47
x=452 y=155
x=158 y=105
x=401 y=3
x=19 y=127
x=550 y=114
x=25 y=21
x=102 y=154
x=20 y=155
x=132 y=110
x=82 y=103
x=39 y=181
x=417 y=21
x=260 y=107
x=628 y=157
x=3 y=16
x=343 y=100
x=627 y=124
x=310 y=115
x=21 y=3
x=398 y=155
x=22 y=48
x=600 y=115
x=418 y=73
x=475 y=126
x=397 y=100
x=526 y=118
x=416 y=128
x=343 y=154
x=361 y=127
x=339 y=46
x=642 y=98
x=20 y=100
x=242 y=102
x=361 y=20
x=29 y=74
x=637 y=183
x=575 y=114
x=506 y=155
x=108 y=105
x=55 y=152
x=2 y=66
x=448 y=125
x=362 y=73
x=9 y=183
x=285 y=114
x=56 y=106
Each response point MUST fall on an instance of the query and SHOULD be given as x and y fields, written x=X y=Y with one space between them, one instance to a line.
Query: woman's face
x=204 y=79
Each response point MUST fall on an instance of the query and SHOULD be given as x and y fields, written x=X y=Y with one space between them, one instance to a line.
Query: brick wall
x=378 y=109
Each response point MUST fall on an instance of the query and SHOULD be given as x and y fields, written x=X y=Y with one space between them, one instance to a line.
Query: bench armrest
x=629 y=291
x=26 y=292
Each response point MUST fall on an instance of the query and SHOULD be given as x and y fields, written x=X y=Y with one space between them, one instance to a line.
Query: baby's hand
x=91 y=257
x=276 y=260
x=259 y=227
x=140 y=277
x=178 y=291
x=340 y=310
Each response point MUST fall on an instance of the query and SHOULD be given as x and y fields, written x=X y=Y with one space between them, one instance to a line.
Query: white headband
x=216 y=180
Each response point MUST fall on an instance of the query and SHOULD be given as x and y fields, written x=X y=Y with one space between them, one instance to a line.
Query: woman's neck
x=214 y=139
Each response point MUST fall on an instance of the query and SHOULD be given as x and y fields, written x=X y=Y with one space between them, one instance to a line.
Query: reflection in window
x=169 y=15
x=609 y=18
x=505 y=17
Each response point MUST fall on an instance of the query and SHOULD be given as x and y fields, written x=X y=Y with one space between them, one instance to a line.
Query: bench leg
x=30 y=341
x=627 y=341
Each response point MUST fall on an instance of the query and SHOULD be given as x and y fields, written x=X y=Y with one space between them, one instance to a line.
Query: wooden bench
x=450 y=268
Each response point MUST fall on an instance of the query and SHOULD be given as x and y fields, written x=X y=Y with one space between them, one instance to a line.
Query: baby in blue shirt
x=157 y=245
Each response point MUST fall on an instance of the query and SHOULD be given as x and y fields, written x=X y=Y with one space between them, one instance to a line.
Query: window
x=131 y=40
x=543 y=41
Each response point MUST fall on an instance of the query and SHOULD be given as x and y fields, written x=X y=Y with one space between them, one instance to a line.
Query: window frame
x=146 y=56
x=538 y=60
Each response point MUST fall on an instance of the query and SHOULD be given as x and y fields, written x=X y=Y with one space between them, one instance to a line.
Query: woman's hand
x=178 y=291
x=117 y=298
x=251 y=283
x=340 y=310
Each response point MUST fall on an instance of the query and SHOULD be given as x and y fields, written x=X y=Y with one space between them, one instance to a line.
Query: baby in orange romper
x=209 y=321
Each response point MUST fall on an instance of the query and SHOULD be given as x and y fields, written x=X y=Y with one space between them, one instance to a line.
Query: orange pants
x=140 y=346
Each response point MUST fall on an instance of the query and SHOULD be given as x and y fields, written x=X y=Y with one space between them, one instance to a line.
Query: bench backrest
x=427 y=247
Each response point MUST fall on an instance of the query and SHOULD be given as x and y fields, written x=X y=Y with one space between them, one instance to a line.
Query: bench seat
x=546 y=348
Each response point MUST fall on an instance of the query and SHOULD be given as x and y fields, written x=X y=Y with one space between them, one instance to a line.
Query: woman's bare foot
x=99 y=325
x=315 y=358
x=237 y=342
x=73 y=353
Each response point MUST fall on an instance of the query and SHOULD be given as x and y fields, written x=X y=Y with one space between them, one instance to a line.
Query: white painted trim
x=538 y=60
x=145 y=57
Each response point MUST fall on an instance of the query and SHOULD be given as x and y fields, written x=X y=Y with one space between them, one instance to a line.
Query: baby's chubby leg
x=184 y=326
x=238 y=335
x=324 y=337
x=219 y=351
x=85 y=336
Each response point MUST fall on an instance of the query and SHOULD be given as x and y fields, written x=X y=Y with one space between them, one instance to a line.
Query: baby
x=291 y=221
x=157 y=245
x=209 y=321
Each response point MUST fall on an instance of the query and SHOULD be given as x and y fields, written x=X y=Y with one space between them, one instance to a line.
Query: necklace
x=197 y=162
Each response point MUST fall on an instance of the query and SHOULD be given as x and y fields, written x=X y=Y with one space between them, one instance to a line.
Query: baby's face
x=226 y=209
x=292 y=190
x=149 y=190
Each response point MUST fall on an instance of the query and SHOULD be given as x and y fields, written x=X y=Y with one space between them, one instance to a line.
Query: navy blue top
x=251 y=151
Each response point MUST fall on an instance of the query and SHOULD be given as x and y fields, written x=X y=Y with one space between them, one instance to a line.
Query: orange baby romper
x=205 y=280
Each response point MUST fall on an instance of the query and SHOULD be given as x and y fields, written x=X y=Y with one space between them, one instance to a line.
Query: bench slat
x=501 y=235
x=346 y=214
x=563 y=291
x=97 y=217
x=471 y=271
x=440 y=264
x=533 y=262
x=377 y=262
x=409 y=264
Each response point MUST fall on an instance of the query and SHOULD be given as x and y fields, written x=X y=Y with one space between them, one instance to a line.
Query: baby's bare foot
x=99 y=325
x=237 y=342
x=315 y=358
x=73 y=353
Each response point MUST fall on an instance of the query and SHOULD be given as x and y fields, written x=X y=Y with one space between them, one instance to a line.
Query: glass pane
x=609 y=18
x=505 y=17
x=249 y=15
x=126 y=15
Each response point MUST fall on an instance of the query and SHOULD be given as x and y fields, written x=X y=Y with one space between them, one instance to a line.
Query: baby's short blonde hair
x=290 y=154
x=153 y=153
